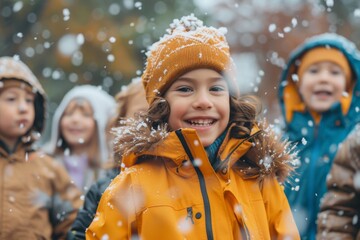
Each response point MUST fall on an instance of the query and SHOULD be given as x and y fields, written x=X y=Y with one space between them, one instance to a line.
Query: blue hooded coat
x=317 y=143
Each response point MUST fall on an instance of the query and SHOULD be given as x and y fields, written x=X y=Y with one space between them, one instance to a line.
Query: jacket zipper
x=244 y=232
x=190 y=214
x=209 y=231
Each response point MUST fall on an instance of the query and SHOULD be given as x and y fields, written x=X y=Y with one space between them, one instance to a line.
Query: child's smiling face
x=200 y=99
x=322 y=85
x=77 y=124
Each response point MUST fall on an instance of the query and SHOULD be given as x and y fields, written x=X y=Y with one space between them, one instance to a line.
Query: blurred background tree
x=73 y=42
x=263 y=33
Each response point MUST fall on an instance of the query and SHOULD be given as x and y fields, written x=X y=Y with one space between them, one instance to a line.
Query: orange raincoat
x=173 y=192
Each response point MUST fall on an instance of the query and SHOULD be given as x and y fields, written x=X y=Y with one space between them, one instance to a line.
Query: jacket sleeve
x=115 y=216
x=280 y=219
x=340 y=209
x=87 y=213
x=65 y=202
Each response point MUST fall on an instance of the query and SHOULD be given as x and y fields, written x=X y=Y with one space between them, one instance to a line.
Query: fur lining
x=269 y=157
x=135 y=135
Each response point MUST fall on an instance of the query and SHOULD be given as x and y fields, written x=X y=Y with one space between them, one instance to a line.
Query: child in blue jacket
x=319 y=98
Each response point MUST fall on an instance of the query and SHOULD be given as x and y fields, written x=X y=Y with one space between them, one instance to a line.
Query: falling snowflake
x=357 y=12
x=272 y=27
x=330 y=3
x=355 y=220
x=105 y=237
x=184 y=225
x=310 y=123
x=111 y=58
x=197 y=162
x=66 y=13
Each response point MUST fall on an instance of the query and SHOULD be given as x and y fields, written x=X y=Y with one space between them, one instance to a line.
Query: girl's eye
x=335 y=72
x=86 y=114
x=10 y=99
x=30 y=100
x=68 y=113
x=313 y=70
x=217 y=88
x=184 y=89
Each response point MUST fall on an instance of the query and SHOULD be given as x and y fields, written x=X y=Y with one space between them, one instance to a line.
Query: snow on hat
x=188 y=46
x=14 y=68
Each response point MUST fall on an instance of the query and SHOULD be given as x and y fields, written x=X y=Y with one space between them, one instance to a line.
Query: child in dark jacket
x=340 y=209
x=319 y=98
x=38 y=200
x=130 y=101
x=196 y=165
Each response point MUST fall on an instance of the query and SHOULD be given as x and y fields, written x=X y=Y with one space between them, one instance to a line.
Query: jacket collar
x=173 y=147
x=19 y=154
x=261 y=154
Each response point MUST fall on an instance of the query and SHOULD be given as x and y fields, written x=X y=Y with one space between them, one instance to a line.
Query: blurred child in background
x=130 y=101
x=38 y=200
x=319 y=98
x=79 y=134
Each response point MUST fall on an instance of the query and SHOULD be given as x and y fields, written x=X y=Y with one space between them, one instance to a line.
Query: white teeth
x=201 y=122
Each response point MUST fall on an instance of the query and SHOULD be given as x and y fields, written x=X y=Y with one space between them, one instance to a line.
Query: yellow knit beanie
x=321 y=54
x=188 y=46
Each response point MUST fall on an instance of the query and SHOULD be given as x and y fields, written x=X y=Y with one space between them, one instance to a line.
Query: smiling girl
x=196 y=165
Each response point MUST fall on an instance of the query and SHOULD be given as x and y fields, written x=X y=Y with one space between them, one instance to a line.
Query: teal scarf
x=212 y=150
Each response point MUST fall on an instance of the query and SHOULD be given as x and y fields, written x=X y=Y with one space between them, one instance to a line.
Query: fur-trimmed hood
x=104 y=109
x=259 y=155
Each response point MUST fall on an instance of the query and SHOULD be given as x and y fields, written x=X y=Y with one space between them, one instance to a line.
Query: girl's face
x=17 y=114
x=77 y=123
x=200 y=100
x=322 y=85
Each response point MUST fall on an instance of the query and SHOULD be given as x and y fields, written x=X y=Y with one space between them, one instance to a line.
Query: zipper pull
x=190 y=214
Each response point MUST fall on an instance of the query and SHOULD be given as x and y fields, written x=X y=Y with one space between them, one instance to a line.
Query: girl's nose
x=76 y=116
x=23 y=106
x=202 y=100
x=324 y=75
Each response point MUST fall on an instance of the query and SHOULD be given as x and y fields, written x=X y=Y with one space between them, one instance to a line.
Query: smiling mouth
x=201 y=123
x=323 y=93
x=75 y=131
